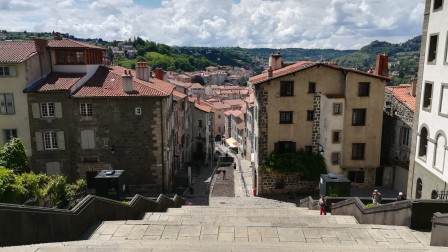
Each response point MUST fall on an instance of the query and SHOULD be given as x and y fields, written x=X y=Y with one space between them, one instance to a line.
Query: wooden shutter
x=57 y=110
x=39 y=141
x=84 y=141
x=12 y=71
x=36 y=110
x=61 y=140
x=2 y=104
x=87 y=139
x=9 y=98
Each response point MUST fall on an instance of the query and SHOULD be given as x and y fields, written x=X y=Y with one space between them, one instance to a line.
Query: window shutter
x=2 y=104
x=84 y=141
x=91 y=139
x=12 y=71
x=36 y=110
x=61 y=140
x=39 y=141
x=57 y=110
x=276 y=147
x=10 y=103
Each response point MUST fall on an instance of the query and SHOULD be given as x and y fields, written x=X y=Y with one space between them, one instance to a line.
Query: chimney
x=414 y=87
x=275 y=61
x=270 y=72
x=127 y=82
x=40 y=44
x=57 y=36
x=159 y=73
x=382 y=65
x=142 y=71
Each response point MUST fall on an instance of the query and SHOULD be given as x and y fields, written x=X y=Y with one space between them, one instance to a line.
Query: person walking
x=376 y=197
x=223 y=174
x=323 y=205
x=401 y=196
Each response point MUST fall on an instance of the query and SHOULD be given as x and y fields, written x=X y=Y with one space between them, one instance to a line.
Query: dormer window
x=69 y=57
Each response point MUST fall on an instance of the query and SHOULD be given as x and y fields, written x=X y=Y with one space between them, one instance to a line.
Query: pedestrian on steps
x=323 y=205
x=223 y=174
x=234 y=165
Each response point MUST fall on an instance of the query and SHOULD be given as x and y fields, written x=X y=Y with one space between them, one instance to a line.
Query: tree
x=13 y=156
x=198 y=79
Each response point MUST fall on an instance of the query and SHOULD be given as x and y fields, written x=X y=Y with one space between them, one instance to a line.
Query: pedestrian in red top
x=323 y=205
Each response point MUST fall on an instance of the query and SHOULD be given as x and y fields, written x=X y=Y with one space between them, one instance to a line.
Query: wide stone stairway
x=242 y=228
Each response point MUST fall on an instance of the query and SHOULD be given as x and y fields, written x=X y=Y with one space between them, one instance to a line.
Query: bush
x=13 y=156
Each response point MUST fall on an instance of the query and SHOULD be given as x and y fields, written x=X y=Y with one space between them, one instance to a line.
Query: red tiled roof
x=178 y=95
x=196 y=85
x=57 y=82
x=203 y=107
x=236 y=113
x=220 y=105
x=402 y=93
x=191 y=99
x=301 y=65
x=107 y=82
x=241 y=125
x=16 y=51
x=69 y=43
x=234 y=102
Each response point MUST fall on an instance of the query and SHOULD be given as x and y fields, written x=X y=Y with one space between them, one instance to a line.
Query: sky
x=338 y=24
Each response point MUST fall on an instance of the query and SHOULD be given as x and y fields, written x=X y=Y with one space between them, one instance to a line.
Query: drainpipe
x=163 y=146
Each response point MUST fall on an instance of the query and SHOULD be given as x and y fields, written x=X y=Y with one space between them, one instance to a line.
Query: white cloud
x=342 y=24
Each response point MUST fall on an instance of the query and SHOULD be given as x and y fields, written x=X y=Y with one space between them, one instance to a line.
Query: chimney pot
x=270 y=72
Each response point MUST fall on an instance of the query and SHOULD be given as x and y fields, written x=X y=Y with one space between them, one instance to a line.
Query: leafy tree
x=76 y=192
x=310 y=165
x=56 y=191
x=198 y=79
x=13 y=156
x=10 y=190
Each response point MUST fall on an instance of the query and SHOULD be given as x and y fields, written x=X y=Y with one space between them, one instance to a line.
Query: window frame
x=312 y=87
x=336 y=158
x=12 y=109
x=7 y=71
x=404 y=136
x=358 y=151
x=285 y=147
x=310 y=115
x=364 y=89
x=52 y=138
x=46 y=111
x=427 y=101
x=445 y=58
x=339 y=110
x=434 y=6
x=284 y=115
x=70 y=57
x=338 y=140
x=85 y=109
x=433 y=57
x=442 y=87
x=286 y=88
x=356 y=115
x=356 y=175
x=423 y=145
x=9 y=134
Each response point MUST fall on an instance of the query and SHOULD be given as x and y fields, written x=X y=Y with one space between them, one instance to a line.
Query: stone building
x=87 y=117
x=428 y=173
x=399 y=106
x=319 y=107
x=182 y=130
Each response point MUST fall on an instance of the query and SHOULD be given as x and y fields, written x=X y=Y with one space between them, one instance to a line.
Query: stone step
x=243 y=244
x=244 y=220
x=242 y=211
x=375 y=236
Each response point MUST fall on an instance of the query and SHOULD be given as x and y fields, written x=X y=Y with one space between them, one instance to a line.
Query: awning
x=231 y=142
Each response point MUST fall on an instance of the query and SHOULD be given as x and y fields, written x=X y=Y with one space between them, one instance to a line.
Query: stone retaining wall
x=276 y=183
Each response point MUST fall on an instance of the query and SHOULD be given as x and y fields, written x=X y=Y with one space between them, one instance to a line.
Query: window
x=311 y=87
x=86 y=109
x=404 y=136
x=7 y=104
x=423 y=146
x=364 y=89
x=336 y=136
x=47 y=109
x=219 y=116
x=7 y=71
x=419 y=189
x=308 y=148
x=337 y=108
x=200 y=123
x=358 y=151
x=285 y=147
x=79 y=57
x=444 y=100
x=87 y=139
x=286 y=88
x=439 y=154
x=69 y=57
x=432 y=51
x=8 y=134
x=446 y=51
x=427 y=96
x=285 y=117
x=359 y=117
x=309 y=115
x=50 y=140
x=438 y=5
x=335 y=157
x=356 y=176
x=138 y=111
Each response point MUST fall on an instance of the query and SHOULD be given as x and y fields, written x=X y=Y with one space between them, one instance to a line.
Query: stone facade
x=316 y=123
x=277 y=183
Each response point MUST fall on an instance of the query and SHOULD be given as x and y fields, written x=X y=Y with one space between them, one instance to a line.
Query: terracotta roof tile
x=107 y=82
x=178 y=95
x=203 y=107
x=220 y=105
x=70 y=43
x=402 y=93
x=234 y=102
x=16 y=51
x=57 y=82
x=301 y=65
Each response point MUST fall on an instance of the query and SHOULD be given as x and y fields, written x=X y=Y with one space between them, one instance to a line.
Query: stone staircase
x=240 y=228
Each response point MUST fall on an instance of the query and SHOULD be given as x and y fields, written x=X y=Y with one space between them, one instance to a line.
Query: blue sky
x=339 y=24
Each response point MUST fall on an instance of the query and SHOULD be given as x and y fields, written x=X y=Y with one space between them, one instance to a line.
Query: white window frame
x=85 y=109
x=47 y=109
x=443 y=104
x=50 y=140
x=12 y=133
x=11 y=71
x=7 y=104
